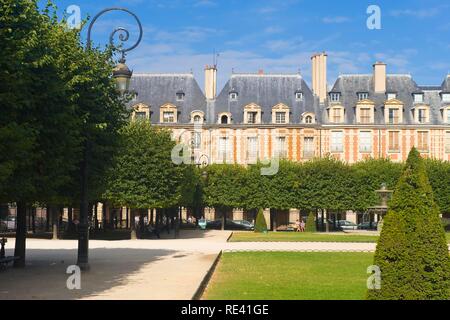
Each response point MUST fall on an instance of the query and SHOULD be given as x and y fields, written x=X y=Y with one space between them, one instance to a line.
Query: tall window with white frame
x=309 y=149
x=280 y=117
x=251 y=117
x=365 y=141
x=196 y=140
x=168 y=117
x=336 y=115
x=422 y=141
x=422 y=116
x=394 y=141
x=394 y=116
x=365 y=117
x=448 y=115
x=223 y=149
x=252 y=149
x=337 y=141
x=139 y=116
x=447 y=142
x=281 y=147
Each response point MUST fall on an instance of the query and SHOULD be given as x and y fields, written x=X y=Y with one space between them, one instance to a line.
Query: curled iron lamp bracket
x=123 y=34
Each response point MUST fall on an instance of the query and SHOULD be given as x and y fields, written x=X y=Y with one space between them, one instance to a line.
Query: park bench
x=4 y=261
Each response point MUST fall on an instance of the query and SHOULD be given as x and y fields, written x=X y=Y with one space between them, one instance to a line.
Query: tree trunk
x=21 y=235
x=55 y=222
x=327 y=225
x=133 y=225
x=126 y=218
x=224 y=219
x=151 y=217
x=47 y=219
x=83 y=230
x=69 y=220
x=33 y=220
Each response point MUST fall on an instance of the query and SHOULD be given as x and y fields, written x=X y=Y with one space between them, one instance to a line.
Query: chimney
x=379 y=77
x=319 y=75
x=210 y=82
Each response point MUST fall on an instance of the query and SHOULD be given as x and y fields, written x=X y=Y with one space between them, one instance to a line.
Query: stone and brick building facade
x=260 y=116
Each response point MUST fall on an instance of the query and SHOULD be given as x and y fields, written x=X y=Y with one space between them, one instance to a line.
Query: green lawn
x=299 y=237
x=303 y=237
x=290 y=276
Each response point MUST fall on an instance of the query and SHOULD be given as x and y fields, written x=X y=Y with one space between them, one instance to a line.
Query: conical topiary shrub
x=260 y=225
x=311 y=223
x=412 y=251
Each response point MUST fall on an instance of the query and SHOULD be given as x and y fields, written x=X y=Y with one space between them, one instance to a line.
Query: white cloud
x=335 y=20
x=420 y=13
x=273 y=30
x=205 y=3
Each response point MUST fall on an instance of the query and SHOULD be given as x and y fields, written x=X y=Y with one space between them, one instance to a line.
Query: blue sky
x=280 y=36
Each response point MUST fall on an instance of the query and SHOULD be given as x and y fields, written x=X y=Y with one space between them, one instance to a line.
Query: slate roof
x=155 y=90
x=267 y=91
x=403 y=85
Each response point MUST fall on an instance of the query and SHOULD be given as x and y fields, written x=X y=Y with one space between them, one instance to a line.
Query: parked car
x=246 y=224
x=346 y=225
x=229 y=225
x=202 y=224
x=8 y=224
x=187 y=225
x=367 y=226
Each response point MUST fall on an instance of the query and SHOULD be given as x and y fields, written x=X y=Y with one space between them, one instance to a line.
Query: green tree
x=39 y=125
x=260 y=224
x=224 y=188
x=439 y=176
x=412 y=251
x=144 y=175
x=311 y=223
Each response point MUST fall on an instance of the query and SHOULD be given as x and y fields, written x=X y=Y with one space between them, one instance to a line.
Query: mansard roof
x=267 y=91
x=156 y=90
x=403 y=85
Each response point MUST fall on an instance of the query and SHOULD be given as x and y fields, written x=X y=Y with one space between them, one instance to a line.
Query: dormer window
x=418 y=98
x=422 y=114
x=446 y=97
x=168 y=117
x=197 y=117
x=280 y=114
x=391 y=96
x=224 y=118
x=299 y=96
x=233 y=96
x=336 y=115
x=280 y=117
x=251 y=117
x=168 y=114
x=335 y=97
x=308 y=118
x=252 y=114
x=363 y=96
x=180 y=96
x=140 y=116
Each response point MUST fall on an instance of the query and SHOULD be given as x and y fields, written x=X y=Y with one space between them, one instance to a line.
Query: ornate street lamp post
x=122 y=75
